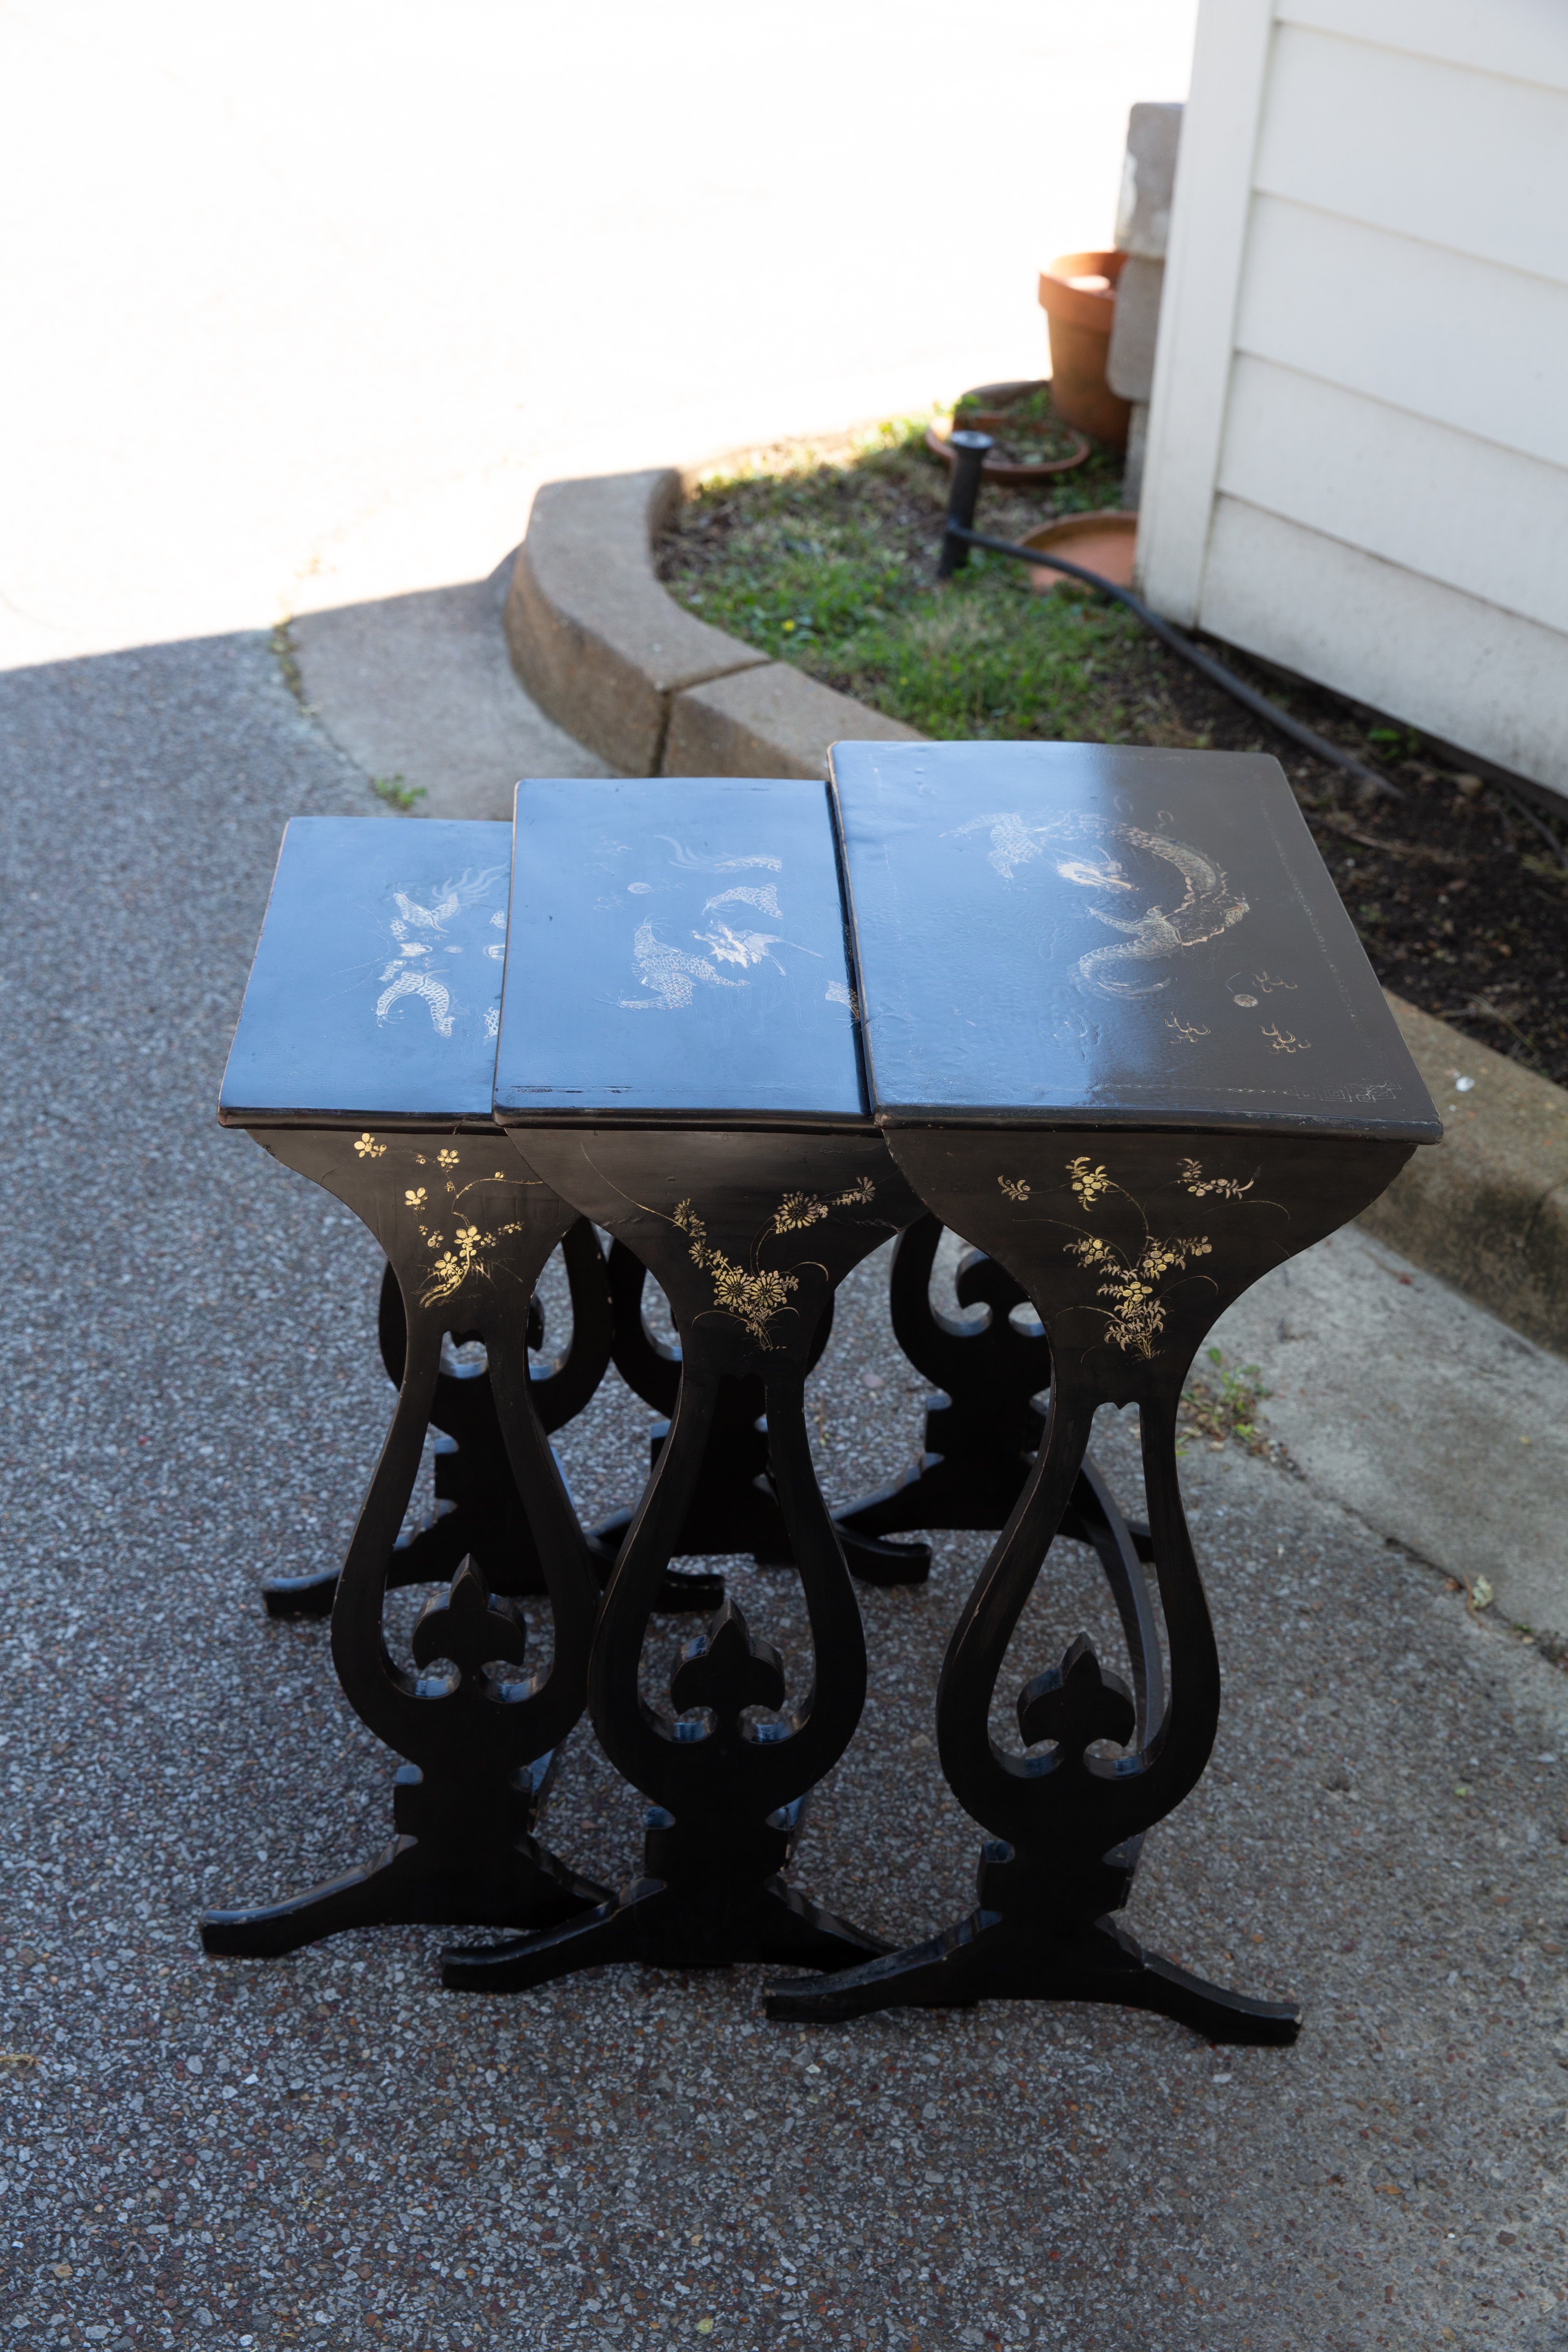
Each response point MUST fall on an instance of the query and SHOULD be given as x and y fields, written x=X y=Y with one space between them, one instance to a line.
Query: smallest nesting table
x=364 y=1059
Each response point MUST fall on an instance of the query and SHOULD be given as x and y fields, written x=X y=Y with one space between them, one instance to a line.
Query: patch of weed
x=823 y=558
x=1226 y=1408
x=395 y=793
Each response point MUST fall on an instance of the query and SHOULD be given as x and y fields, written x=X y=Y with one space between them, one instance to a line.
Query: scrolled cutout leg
x=481 y=1742
x=747 y=1242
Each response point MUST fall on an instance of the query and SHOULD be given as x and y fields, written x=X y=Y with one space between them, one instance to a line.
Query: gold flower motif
x=368 y=1148
x=1015 y=1187
x=415 y=1197
x=1194 y=1181
x=1088 y=1182
x=446 y=1159
x=754 y=1298
x=797 y=1210
x=1136 y=1317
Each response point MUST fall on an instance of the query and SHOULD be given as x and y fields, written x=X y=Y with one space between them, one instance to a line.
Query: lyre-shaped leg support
x=1042 y=1926
x=481 y=1741
x=478 y=1512
x=1128 y=1261
x=748 y=1234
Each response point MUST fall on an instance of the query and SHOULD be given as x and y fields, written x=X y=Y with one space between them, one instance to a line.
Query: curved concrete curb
x=1486 y=1209
x=613 y=659
x=610 y=657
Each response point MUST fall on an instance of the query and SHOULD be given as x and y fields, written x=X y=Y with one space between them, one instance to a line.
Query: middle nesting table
x=711 y=1114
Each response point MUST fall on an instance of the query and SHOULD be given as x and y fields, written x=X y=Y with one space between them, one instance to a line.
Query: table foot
x=668 y=1925
x=988 y=1958
x=414 y=1882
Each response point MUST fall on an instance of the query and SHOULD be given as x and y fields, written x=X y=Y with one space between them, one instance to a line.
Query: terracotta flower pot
x=1080 y=319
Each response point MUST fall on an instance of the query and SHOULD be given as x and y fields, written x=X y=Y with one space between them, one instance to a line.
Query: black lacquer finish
x=1129 y=1253
x=984 y=1428
x=467 y=1233
x=734 y=1507
x=749 y=1276
x=1135 y=1126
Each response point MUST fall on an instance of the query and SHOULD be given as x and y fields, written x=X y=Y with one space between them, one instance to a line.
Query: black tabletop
x=376 y=990
x=1093 y=935
x=676 y=954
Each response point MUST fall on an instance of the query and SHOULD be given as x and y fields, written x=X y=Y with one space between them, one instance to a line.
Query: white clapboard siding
x=1358 y=440
x=1481 y=349
x=1471 y=161
x=1416 y=493
x=1391 y=638
x=1526 y=40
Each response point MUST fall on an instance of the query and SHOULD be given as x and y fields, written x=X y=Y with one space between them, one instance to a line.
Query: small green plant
x=1229 y=1408
x=395 y=793
x=284 y=654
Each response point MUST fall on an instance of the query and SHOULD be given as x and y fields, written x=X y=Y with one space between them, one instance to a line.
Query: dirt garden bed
x=824 y=554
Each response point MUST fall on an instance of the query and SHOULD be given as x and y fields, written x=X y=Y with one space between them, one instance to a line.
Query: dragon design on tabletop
x=1207 y=908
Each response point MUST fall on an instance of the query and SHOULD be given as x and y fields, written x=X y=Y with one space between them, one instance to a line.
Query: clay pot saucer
x=1104 y=541
x=997 y=412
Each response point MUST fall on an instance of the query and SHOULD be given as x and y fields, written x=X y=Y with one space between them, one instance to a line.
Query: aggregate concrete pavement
x=329 y=2150
x=1437 y=1423
x=420 y=690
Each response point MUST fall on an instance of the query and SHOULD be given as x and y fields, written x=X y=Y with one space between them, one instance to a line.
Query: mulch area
x=1459 y=888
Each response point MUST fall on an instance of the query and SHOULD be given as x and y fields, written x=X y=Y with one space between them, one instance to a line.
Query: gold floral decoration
x=1088 y=1183
x=798 y=1210
x=1136 y=1318
x=1015 y=1187
x=754 y=1298
x=368 y=1148
x=1135 y=1279
x=1200 y=1186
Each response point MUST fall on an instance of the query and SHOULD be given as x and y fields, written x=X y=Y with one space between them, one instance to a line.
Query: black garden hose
x=959 y=536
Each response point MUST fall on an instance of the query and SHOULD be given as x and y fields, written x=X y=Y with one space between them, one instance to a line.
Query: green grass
x=826 y=559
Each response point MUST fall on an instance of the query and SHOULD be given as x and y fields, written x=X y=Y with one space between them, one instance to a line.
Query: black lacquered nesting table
x=1097 y=1010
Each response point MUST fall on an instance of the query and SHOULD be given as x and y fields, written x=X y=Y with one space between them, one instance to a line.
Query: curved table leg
x=1128 y=1260
x=480 y=1732
x=478 y=1513
x=747 y=1234
x=1042 y=1929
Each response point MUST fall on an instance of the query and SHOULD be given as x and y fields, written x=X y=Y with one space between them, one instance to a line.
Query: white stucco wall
x=1358 y=452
